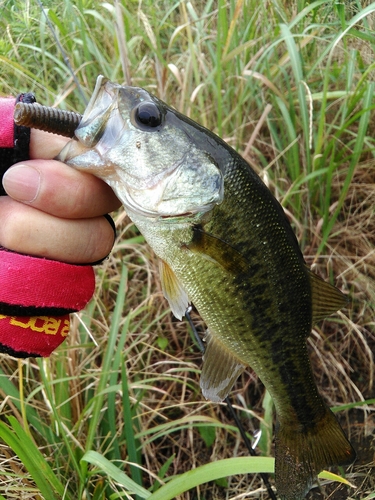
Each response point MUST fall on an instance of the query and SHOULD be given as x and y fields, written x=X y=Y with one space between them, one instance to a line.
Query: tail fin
x=302 y=453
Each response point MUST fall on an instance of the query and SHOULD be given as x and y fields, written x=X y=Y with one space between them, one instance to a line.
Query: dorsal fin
x=221 y=368
x=173 y=290
x=326 y=298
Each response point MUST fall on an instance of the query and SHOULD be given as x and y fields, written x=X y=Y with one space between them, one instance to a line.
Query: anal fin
x=220 y=370
x=173 y=290
x=326 y=298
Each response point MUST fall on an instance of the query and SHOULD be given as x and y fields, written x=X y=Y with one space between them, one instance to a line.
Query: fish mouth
x=78 y=156
x=186 y=214
x=71 y=150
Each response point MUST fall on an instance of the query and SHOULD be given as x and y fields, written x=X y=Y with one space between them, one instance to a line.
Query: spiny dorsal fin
x=173 y=290
x=220 y=370
x=326 y=298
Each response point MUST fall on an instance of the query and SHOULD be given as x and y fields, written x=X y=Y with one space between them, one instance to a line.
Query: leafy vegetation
x=290 y=85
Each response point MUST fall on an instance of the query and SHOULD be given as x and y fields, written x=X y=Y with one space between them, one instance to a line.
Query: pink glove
x=36 y=294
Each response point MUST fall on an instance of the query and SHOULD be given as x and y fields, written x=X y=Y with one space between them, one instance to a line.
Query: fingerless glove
x=36 y=294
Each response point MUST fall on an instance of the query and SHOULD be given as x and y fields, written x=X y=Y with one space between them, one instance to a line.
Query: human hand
x=53 y=210
x=56 y=212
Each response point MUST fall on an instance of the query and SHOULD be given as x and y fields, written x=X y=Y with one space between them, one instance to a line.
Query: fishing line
x=237 y=421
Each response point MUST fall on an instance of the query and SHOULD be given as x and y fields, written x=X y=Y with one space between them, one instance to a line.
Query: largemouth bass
x=226 y=246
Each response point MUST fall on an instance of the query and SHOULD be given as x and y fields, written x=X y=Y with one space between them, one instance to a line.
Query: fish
x=226 y=246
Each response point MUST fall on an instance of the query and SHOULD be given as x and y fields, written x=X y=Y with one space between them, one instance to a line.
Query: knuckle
x=100 y=240
x=12 y=229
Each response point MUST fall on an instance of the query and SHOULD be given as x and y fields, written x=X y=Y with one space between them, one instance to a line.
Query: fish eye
x=147 y=114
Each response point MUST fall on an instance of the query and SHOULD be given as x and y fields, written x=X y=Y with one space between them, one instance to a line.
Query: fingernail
x=22 y=183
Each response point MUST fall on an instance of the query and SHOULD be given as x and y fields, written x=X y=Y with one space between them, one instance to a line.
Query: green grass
x=288 y=84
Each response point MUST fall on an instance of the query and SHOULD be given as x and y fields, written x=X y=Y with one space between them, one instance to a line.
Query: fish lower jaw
x=179 y=216
x=137 y=213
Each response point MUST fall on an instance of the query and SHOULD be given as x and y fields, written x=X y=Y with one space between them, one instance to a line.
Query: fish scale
x=225 y=245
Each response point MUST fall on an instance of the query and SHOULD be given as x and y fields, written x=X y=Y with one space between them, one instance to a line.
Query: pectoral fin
x=220 y=370
x=326 y=299
x=217 y=250
x=173 y=290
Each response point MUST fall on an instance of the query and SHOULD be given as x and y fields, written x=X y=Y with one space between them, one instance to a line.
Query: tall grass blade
x=109 y=420
x=8 y=388
x=109 y=469
x=266 y=425
x=63 y=53
x=107 y=360
x=211 y=472
x=367 y=108
x=224 y=468
x=22 y=444
x=132 y=444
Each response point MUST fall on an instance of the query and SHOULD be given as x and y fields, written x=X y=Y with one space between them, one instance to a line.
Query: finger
x=59 y=190
x=24 y=229
x=45 y=145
